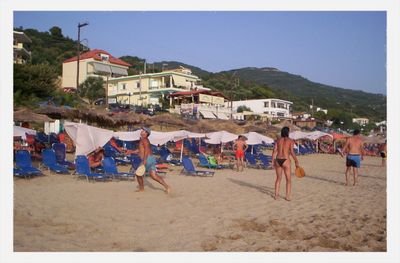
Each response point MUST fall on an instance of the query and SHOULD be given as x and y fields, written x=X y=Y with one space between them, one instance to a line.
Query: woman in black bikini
x=280 y=159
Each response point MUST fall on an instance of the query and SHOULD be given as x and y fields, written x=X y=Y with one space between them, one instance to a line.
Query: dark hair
x=285 y=132
x=356 y=132
x=240 y=136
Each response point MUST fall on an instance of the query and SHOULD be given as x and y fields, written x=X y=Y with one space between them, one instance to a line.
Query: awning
x=119 y=71
x=222 y=116
x=101 y=68
x=207 y=114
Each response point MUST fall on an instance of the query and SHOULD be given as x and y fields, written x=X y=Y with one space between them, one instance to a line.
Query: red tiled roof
x=95 y=54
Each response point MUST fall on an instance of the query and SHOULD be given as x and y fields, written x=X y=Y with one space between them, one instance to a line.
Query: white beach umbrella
x=220 y=137
x=21 y=132
x=128 y=136
x=254 y=138
x=87 y=138
x=298 y=135
x=315 y=135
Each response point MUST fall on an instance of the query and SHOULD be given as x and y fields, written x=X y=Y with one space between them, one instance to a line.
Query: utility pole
x=312 y=107
x=140 y=88
x=78 y=52
x=235 y=85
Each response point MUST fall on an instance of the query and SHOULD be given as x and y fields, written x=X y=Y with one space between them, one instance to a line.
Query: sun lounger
x=49 y=161
x=60 y=150
x=110 y=151
x=265 y=161
x=83 y=170
x=21 y=173
x=251 y=161
x=188 y=168
x=110 y=168
x=23 y=162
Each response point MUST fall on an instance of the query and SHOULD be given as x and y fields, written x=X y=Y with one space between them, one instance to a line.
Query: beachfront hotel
x=275 y=108
x=21 y=55
x=147 y=89
x=94 y=63
x=201 y=104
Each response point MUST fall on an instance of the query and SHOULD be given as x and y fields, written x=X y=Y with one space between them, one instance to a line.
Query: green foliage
x=243 y=108
x=33 y=82
x=50 y=47
x=55 y=31
x=301 y=92
x=92 y=88
x=320 y=115
x=246 y=89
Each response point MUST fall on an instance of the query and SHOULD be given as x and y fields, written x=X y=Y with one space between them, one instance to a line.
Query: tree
x=92 y=89
x=33 y=82
x=56 y=32
x=320 y=115
x=243 y=108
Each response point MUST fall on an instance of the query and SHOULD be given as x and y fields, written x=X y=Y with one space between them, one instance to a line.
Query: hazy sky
x=343 y=49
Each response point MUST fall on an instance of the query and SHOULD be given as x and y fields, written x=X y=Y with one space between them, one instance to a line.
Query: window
x=104 y=57
x=138 y=85
x=122 y=86
x=266 y=104
x=273 y=105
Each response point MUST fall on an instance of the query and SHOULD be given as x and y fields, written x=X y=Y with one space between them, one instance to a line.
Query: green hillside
x=302 y=91
x=50 y=47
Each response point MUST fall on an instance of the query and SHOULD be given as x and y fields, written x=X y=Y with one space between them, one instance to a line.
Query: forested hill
x=50 y=47
x=304 y=91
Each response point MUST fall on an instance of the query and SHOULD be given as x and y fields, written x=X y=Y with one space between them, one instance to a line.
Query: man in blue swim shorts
x=149 y=161
x=354 y=151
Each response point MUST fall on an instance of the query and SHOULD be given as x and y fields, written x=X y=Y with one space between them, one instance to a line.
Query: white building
x=21 y=55
x=94 y=63
x=273 y=107
x=361 y=121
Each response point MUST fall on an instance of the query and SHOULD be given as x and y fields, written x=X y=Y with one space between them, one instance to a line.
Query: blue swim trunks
x=150 y=164
x=353 y=160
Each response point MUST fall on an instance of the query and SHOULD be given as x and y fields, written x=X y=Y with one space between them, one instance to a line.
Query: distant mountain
x=175 y=64
x=299 y=88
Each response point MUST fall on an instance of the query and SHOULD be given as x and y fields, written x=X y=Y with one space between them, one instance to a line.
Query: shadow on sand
x=262 y=189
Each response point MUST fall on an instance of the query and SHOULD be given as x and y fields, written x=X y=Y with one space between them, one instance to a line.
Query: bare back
x=354 y=145
x=284 y=146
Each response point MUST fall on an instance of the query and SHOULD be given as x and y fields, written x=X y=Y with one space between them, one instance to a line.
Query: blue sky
x=342 y=49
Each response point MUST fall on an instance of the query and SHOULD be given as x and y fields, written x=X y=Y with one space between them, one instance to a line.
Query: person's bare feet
x=168 y=190
x=138 y=190
x=288 y=199
x=276 y=197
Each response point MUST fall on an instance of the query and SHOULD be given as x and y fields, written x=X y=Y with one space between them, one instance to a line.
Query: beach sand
x=228 y=212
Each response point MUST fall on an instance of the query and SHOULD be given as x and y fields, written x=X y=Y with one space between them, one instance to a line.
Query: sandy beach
x=228 y=212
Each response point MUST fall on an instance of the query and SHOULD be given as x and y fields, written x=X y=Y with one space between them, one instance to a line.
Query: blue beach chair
x=60 y=151
x=23 y=162
x=110 y=168
x=49 y=161
x=251 y=161
x=265 y=161
x=83 y=169
x=188 y=168
x=20 y=173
